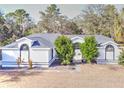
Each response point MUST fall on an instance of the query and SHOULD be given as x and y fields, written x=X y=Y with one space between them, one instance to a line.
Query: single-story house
x=40 y=49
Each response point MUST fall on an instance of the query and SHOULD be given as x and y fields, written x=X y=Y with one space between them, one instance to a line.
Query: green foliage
x=64 y=49
x=72 y=28
x=119 y=27
x=14 y=25
x=2 y=20
x=28 y=32
x=89 y=49
x=121 y=58
x=19 y=16
x=53 y=21
x=49 y=19
x=108 y=15
x=5 y=42
x=97 y=19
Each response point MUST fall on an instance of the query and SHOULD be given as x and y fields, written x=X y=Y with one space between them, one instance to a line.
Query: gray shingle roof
x=99 y=38
x=12 y=45
x=48 y=39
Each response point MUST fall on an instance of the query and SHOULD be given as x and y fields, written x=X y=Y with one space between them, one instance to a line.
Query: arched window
x=77 y=45
x=109 y=52
x=24 y=53
x=24 y=47
x=109 y=48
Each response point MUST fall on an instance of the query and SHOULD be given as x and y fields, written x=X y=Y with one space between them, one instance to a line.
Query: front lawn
x=85 y=75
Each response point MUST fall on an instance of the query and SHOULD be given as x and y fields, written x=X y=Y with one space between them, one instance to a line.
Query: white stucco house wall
x=41 y=50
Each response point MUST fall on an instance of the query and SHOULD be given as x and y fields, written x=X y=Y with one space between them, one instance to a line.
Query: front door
x=109 y=56
x=24 y=53
x=77 y=55
x=109 y=52
x=24 y=56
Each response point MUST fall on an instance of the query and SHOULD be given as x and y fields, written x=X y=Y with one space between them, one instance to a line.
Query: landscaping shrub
x=121 y=58
x=64 y=49
x=89 y=49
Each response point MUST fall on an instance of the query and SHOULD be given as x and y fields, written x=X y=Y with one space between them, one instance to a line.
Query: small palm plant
x=18 y=61
x=30 y=64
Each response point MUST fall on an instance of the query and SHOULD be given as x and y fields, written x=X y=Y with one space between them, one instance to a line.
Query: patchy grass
x=86 y=75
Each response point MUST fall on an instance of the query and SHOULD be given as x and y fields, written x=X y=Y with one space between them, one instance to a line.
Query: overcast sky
x=70 y=10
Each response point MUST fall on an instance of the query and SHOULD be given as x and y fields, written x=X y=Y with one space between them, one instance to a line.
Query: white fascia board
x=109 y=42
x=23 y=38
x=41 y=48
x=76 y=37
x=100 y=47
x=9 y=48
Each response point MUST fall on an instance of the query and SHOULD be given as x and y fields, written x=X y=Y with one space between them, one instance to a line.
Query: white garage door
x=40 y=55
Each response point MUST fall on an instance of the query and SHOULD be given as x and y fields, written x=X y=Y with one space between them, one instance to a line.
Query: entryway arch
x=24 y=53
x=109 y=52
x=77 y=53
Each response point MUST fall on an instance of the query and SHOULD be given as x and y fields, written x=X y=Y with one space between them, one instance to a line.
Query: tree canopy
x=52 y=21
x=15 y=25
x=95 y=19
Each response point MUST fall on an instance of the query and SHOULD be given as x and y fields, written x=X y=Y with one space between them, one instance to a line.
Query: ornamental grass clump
x=30 y=64
x=19 y=62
